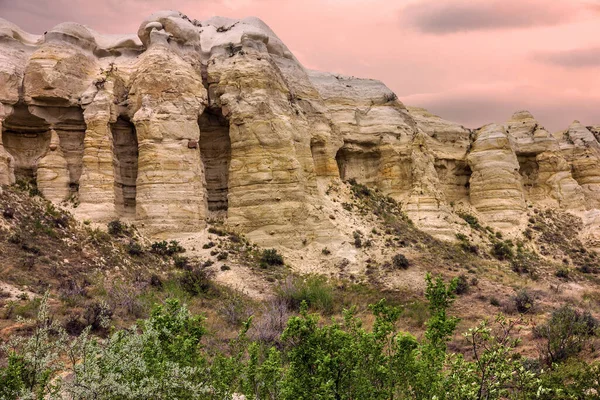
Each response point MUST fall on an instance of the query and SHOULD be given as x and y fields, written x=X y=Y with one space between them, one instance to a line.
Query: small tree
x=565 y=334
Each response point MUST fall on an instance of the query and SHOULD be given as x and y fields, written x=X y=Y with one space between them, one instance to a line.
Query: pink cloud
x=450 y=16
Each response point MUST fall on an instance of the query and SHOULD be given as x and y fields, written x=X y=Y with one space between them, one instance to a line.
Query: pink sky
x=471 y=61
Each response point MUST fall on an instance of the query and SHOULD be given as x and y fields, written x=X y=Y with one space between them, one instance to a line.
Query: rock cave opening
x=125 y=163
x=358 y=163
x=27 y=138
x=215 y=153
x=528 y=169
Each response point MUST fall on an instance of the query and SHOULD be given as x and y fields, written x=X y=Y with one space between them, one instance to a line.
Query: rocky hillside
x=188 y=120
x=211 y=135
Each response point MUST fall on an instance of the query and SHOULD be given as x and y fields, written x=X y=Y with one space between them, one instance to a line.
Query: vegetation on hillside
x=127 y=318
x=165 y=357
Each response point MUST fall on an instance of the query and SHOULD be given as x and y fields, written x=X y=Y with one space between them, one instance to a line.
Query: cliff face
x=190 y=120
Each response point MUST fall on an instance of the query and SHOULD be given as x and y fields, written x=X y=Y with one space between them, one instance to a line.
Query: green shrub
x=134 y=248
x=181 y=262
x=494 y=301
x=313 y=289
x=502 y=251
x=462 y=284
x=562 y=273
x=357 y=239
x=163 y=248
x=399 y=261
x=565 y=334
x=164 y=356
x=270 y=257
x=471 y=220
x=523 y=262
x=195 y=281
x=524 y=301
x=217 y=231
x=118 y=229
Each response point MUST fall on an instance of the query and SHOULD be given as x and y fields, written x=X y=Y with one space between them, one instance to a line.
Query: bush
x=399 y=261
x=562 y=273
x=502 y=251
x=195 y=281
x=270 y=257
x=462 y=285
x=181 y=262
x=155 y=281
x=357 y=239
x=494 y=301
x=465 y=244
x=163 y=248
x=565 y=334
x=134 y=248
x=217 y=231
x=313 y=289
x=524 y=262
x=524 y=301
x=471 y=220
x=97 y=315
x=118 y=229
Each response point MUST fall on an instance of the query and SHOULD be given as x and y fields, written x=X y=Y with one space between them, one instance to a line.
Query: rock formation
x=189 y=120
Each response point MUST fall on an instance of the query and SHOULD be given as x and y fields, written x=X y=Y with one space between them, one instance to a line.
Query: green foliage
x=118 y=228
x=562 y=273
x=163 y=357
x=462 y=284
x=195 y=281
x=496 y=372
x=471 y=220
x=163 y=248
x=524 y=262
x=524 y=301
x=134 y=248
x=565 y=334
x=181 y=262
x=33 y=361
x=503 y=250
x=312 y=290
x=270 y=257
x=399 y=261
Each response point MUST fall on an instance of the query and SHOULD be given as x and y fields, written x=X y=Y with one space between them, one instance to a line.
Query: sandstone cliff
x=189 y=120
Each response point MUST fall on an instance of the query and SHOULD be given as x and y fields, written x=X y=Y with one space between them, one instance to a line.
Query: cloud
x=576 y=58
x=441 y=17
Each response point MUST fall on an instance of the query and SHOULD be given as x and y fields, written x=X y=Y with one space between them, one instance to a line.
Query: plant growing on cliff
x=270 y=257
x=164 y=248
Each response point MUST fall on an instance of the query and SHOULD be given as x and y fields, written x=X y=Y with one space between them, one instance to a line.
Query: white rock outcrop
x=188 y=120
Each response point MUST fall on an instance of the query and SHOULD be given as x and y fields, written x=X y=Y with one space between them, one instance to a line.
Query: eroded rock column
x=167 y=96
x=7 y=163
x=426 y=204
x=96 y=185
x=53 y=173
x=495 y=186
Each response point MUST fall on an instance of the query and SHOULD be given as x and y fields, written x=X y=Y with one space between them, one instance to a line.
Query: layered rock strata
x=189 y=120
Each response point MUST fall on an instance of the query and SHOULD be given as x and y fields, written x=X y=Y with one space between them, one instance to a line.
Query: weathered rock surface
x=189 y=120
x=496 y=189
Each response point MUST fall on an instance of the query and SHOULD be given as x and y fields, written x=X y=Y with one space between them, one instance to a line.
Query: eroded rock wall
x=188 y=120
